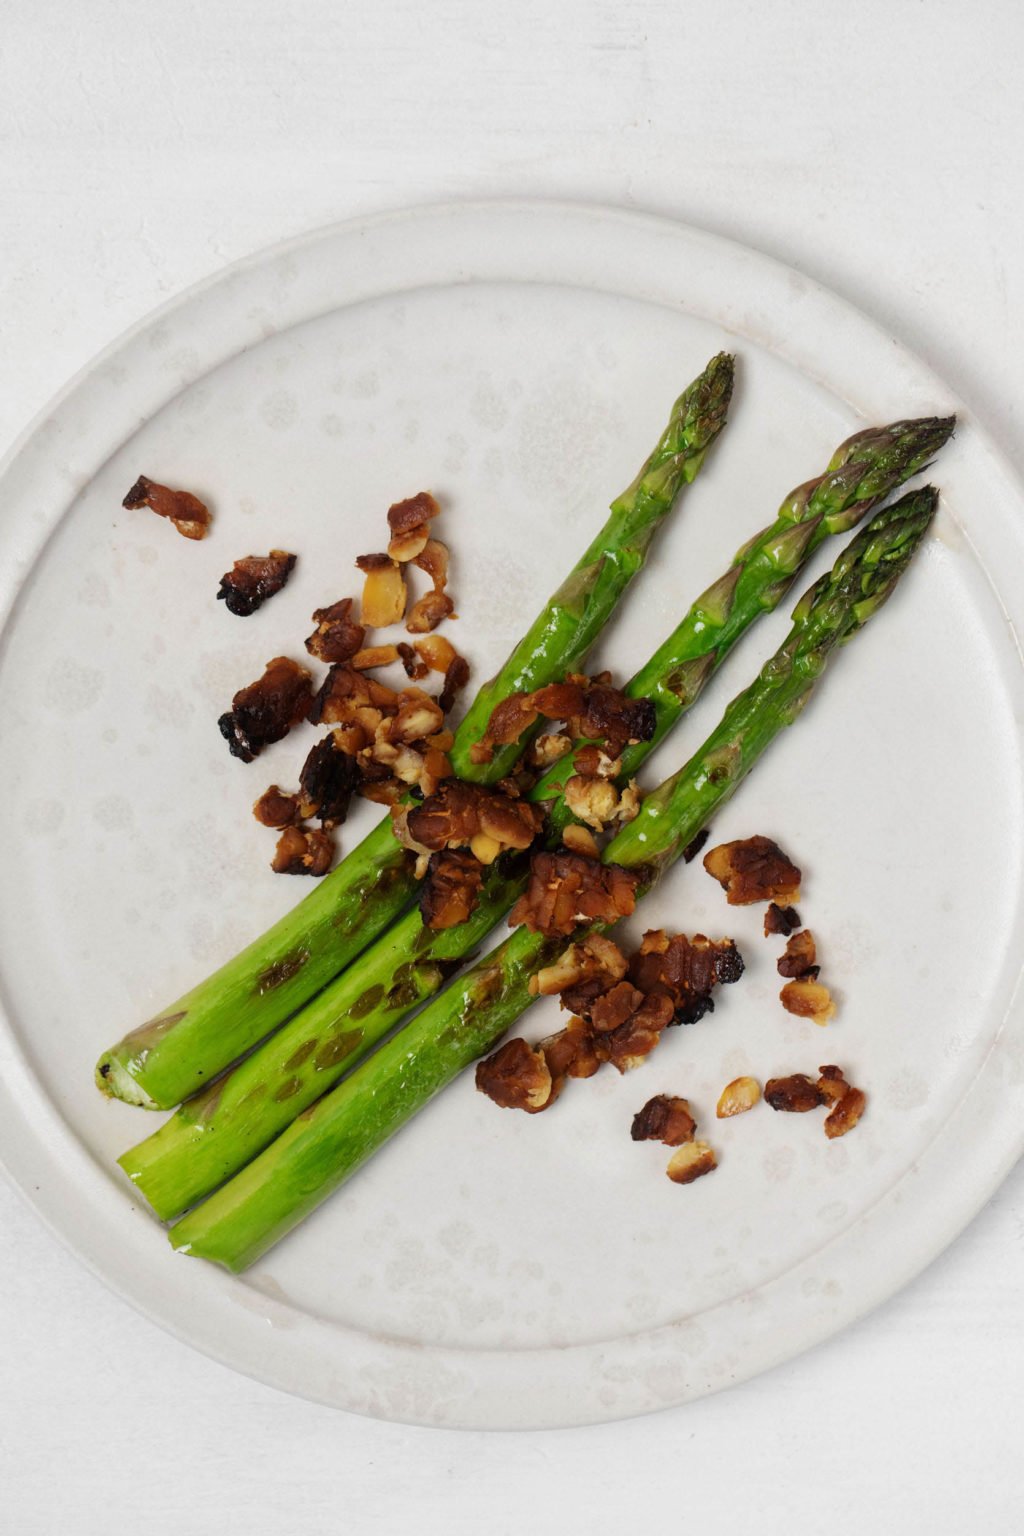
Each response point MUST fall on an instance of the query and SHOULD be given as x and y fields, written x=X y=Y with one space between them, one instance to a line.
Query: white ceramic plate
x=490 y=1269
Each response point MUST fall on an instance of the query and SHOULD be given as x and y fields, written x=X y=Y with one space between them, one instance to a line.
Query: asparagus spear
x=183 y=1049
x=218 y=1131
x=331 y=1139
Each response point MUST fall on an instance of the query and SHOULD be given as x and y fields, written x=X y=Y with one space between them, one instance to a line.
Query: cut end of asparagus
x=113 y=1079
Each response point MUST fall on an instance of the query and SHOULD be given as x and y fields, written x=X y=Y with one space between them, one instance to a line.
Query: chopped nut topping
x=832 y=1084
x=344 y=696
x=685 y=970
x=327 y=783
x=594 y=763
x=845 y=1113
x=565 y=890
x=691 y=1161
x=302 y=852
x=594 y=957
x=484 y=848
x=337 y=636
x=416 y=717
x=580 y=840
x=252 y=580
x=809 y=1000
x=409 y=522
x=458 y=812
x=455 y=679
x=189 y=515
x=517 y=1077
x=414 y=667
x=593 y=801
x=428 y=611
x=274 y=808
x=780 y=920
x=374 y=656
x=384 y=593
x=451 y=889
x=738 y=1096
x=547 y=749
x=572 y=1052
x=433 y=560
x=629 y=1045
x=664 y=1119
x=614 y=1007
x=436 y=652
x=267 y=709
x=753 y=869
x=794 y=1095
x=799 y=957
x=589 y=708
x=615 y=719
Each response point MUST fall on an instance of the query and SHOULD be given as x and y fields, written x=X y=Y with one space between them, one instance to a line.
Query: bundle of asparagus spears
x=259 y=1142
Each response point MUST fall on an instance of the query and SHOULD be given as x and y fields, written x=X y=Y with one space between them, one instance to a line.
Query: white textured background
x=878 y=147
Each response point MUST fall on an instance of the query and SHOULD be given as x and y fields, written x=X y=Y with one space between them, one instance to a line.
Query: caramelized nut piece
x=416 y=510
x=548 y=749
x=738 y=1096
x=433 y=559
x=455 y=679
x=274 y=808
x=780 y=920
x=799 y=957
x=565 y=890
x=845 y=1113
x=252 y=580
x=267 y=709
x=794 y=1095
x=665 y=1119
x=374 y=656
x=594 y=957
x=593 y=801
x=753 y=869
x=691 y=1161
x=437 y=652
x=404 y=547
x=611 y=1010
x=580 y=840
x=302 y=851
x=809 y=1000
x=190 y=516
x=427 y=612
x=484 y=848
x=517 y=1077
x=450 y=892
x=337 y=636
x=831 y=1084
x=630 y=1045
x=572 y=1052
x=327 y=782
x=414 y=667
x=384 y=593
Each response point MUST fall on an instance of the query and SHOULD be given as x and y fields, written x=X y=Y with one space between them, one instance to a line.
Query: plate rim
x=493 y=1393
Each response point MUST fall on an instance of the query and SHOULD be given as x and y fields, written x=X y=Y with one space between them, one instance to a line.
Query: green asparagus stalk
x=333 y=1137
x=221 y=1129
x=183 y=1049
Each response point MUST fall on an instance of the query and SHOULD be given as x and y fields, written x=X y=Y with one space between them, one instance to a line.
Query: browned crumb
x=455 y=679
x=800 y=956
x=691 y=1161
x=302 y=851
x=666 y=1119
x=267 y=709
x=808 y=1000
x=753 y=869
x=275 y=808
x=189 y=515
x=337 y=636
x=253 y=579
x=517 y=1076
x=794 y=1095
x=780 y=920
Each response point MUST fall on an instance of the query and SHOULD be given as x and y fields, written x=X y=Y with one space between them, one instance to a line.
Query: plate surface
x=490 y=1269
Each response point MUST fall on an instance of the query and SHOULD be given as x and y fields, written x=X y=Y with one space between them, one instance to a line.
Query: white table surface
x=877 y=146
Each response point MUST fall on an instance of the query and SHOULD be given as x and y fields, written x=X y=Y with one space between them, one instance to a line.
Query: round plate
x=490 y=1269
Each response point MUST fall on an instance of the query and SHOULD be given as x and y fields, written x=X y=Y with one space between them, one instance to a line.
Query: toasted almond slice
x=691 y=1161
x=437 y=652
x=738 y=1096
x=374 y=656
x=580 y=840
x=384 y=596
